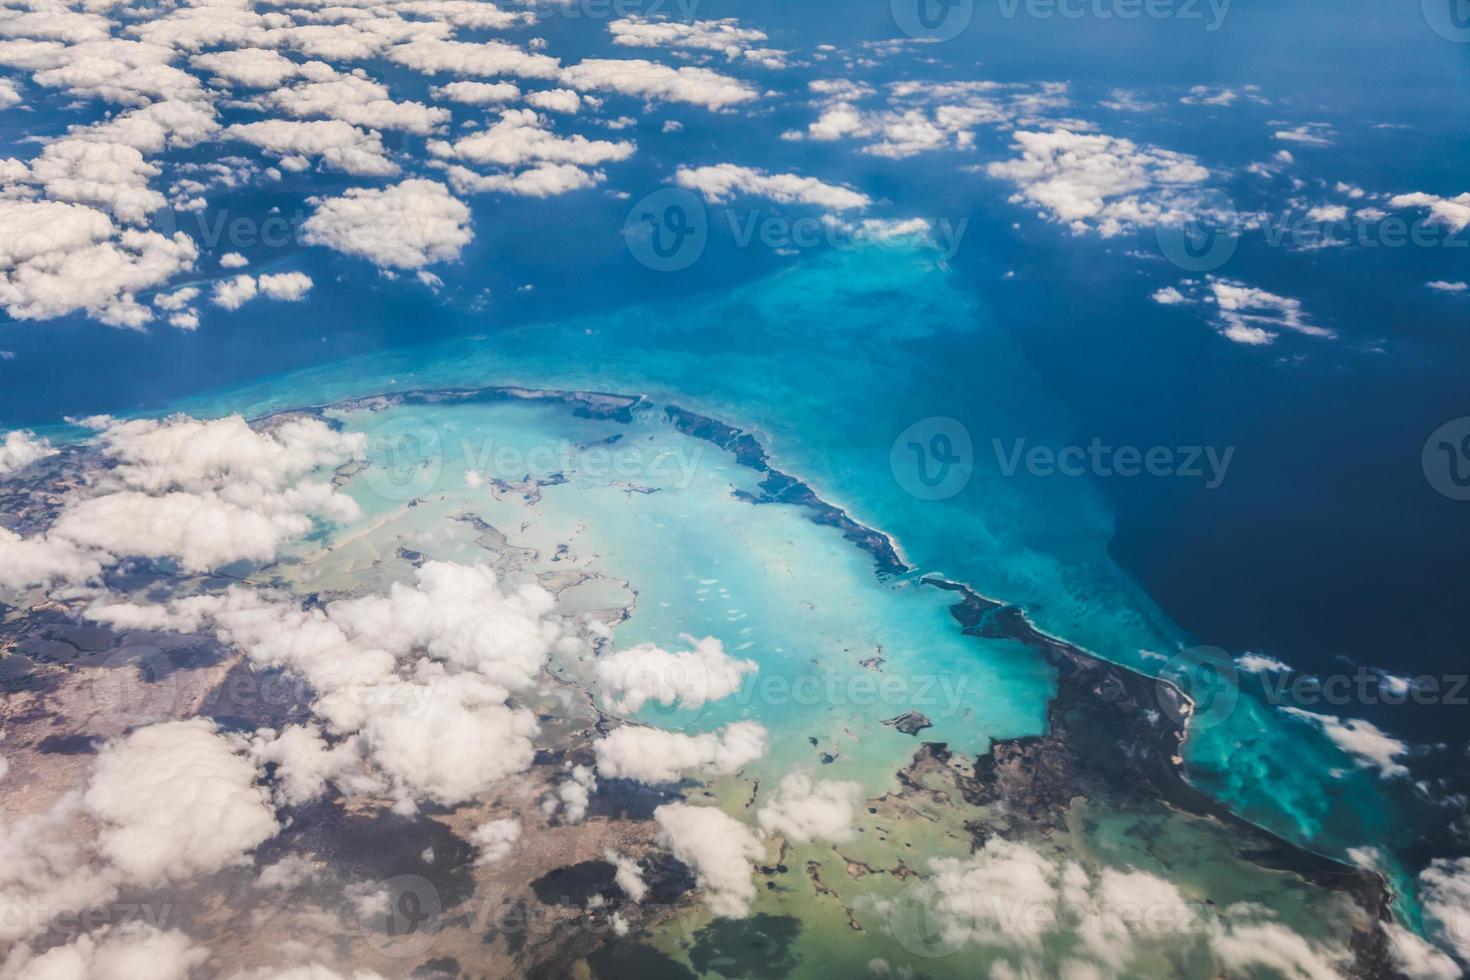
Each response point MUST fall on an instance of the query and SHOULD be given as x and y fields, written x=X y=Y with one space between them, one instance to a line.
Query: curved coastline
x=1146 y=717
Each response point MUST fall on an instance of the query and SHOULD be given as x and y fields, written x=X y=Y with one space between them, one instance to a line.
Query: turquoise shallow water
x=661 y=523
x=829 y=363
x=655 y=509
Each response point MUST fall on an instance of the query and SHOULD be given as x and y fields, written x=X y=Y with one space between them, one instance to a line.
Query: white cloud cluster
x=58 y=258
x=231 y=294
x=902 y=133
x=1306 y=134
x=556 y=100
x=721 y=182
x=248 y=67
x=573 y=795
x=235 y=292
x=356 y=99
x=77 y=260
x=1417 y=958
x=971 y=896
x=1244 y=314
x=1452 y=212
x=724 y=36
x=225 y=455
x=109 y=175
x=176 y=303
x=177 y=799
x=654 y=81
x=1444 y=894
x=422 y=675
x=131 y=950
x=199 y=531
x=632 y=678
x=20 y=448
x=306 y=762
x=922 y=117
x=406 y=226
x=495 y=839
x=473 y=14
x=132 y=73
x=1047 y=916
x=337 y=144
x=433 y=56
x=463 y=741
x=75 y=216
x=806 y=810
x=653 y=755
x=47 y=867
x=207 y=494
x=540 y=180
x=28 y=562
x=1222 y=95
x=204 y=494
x=719 y=849
x=1249 y=315
x=628 y=875
x=1252 y=947
x=477 y=93
x=1092 y=182
x=1369 y=745
x=1259 y=663
x=542 y=162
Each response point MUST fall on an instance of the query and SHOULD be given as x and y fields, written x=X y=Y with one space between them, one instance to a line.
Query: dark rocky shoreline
x=782 y=488
x=1111 y=730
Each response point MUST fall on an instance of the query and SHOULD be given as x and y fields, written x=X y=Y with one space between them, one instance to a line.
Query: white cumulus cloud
x=177 y=799
x=653 y=755
x=406 y=226
x=720 y=850
x=632 y=678
x=723 y=181
x=806 y=810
